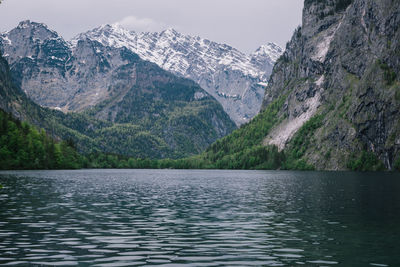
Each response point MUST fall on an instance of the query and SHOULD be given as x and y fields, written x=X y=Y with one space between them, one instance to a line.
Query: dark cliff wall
x=343 y=64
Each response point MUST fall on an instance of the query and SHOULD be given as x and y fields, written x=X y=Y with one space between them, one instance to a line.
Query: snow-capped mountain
x=235 y=79
x=37 y=56
x=139 y=108
x=76 y=75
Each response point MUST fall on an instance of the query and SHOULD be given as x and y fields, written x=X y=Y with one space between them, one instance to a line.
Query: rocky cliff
x=333 y=99
x=341 y=65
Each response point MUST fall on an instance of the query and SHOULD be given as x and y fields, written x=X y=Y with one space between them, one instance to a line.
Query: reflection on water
x=199 y=218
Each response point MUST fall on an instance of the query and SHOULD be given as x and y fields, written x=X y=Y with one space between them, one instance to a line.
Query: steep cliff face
x=61 y=126
x=56 y=75
x=37 y=55
x=342 y=66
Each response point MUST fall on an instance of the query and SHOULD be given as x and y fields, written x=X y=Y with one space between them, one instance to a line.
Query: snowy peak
x=27 y=24
x=170 y=32
x=265 y=56
x=29 y=32
x=33 y=40
x=108 y=34
x=170 y=48
x=271 y=50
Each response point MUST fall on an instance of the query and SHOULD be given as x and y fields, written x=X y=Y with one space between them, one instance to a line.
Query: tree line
x=23 y=146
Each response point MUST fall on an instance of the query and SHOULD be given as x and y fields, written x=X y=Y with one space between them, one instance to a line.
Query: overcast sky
x=244 y=24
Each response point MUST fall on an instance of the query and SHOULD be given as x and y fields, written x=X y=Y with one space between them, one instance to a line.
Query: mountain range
x=76 y=75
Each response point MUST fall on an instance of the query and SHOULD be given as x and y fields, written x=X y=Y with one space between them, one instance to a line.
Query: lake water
x=199 y=218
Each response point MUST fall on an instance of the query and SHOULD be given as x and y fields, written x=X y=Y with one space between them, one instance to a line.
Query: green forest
x=23 y=146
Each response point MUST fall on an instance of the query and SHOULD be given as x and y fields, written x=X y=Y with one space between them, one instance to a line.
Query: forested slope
x=23 y=146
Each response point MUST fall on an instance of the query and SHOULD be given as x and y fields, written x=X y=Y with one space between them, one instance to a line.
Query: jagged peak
x=104 y=32
x=32 y=24
x=26 y=23
x=104 y=29
x=170 y=31
x=150 y=46
x=273 y=50
x=39 y=31
x=108 y=26
x=114 y=27
x=265 y=48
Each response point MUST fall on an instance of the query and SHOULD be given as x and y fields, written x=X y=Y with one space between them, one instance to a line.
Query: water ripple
x=198 y=218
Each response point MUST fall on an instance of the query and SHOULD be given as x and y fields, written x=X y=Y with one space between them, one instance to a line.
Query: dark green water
x=199 y=218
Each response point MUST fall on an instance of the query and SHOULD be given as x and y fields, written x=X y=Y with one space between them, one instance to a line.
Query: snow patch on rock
x=6 y=39
x=262 y=84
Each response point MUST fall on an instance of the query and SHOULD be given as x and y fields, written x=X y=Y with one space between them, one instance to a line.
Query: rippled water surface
x=199 y=218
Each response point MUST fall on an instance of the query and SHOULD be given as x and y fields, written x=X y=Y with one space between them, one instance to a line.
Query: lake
x=199 y=218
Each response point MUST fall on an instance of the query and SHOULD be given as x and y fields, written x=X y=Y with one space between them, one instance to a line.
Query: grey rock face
x=38 y=55
x=347 y=54
x=230 y=76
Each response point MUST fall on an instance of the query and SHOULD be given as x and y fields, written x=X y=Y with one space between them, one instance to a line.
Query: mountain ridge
x=229 y=75
x=235 y=79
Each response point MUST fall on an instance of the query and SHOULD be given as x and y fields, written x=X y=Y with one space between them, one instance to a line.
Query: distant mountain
x=127 y=105
x=227 y=74
x=57 y=74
